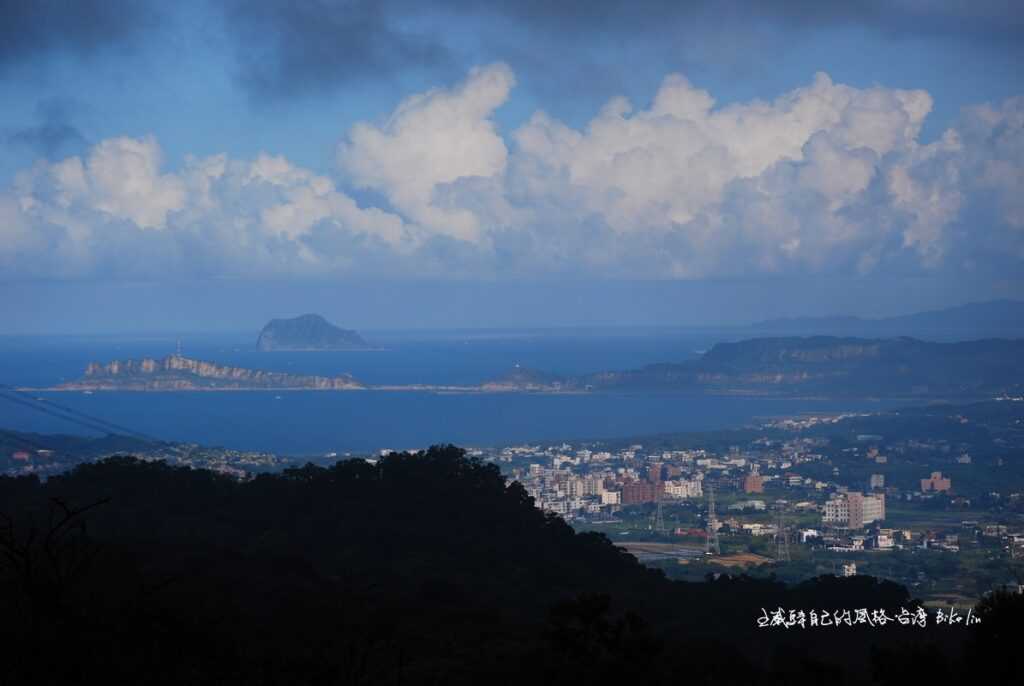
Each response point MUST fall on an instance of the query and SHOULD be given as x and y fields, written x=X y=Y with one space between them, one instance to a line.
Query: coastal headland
x=820 y=366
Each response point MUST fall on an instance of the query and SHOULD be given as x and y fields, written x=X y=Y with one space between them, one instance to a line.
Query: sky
x=398 y=164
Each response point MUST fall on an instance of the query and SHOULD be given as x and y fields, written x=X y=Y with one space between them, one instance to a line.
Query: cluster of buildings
x=583 y=481
x=594 y=482
x=580 y=481
x=40 y=462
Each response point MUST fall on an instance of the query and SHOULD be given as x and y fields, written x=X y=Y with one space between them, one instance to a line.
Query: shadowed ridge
x=416 y=568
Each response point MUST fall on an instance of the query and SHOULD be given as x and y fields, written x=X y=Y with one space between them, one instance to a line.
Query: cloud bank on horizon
x=825 y=178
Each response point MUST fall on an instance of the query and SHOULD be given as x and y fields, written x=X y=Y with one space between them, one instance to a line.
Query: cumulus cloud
x=826 y=178
x=760 y=186
x=121 y=178
x=663 y=166
x=431 y=139
x=118 y=210
x=994 y=150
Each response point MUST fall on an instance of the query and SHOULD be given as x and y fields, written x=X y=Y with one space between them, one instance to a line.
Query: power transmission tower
x=711 y=535
x=781 y=537
x=659 y=518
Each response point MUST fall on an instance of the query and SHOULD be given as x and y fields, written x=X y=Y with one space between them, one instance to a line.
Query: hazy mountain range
x=993 y=319
x=820 y=365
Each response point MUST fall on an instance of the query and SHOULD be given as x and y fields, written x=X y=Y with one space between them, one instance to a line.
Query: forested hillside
x=418 y=569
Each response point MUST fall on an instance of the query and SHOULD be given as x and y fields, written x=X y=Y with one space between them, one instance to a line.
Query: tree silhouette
x=419 y=568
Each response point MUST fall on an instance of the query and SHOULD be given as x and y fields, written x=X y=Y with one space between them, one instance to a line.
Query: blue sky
x=514 y=143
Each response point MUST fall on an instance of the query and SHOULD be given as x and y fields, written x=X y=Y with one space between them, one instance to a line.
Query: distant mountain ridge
x=819 y=365
x=308 y=332
x=825 y=366
x=995 y=318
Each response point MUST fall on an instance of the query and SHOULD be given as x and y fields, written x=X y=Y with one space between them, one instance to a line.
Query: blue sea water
x=309 y=423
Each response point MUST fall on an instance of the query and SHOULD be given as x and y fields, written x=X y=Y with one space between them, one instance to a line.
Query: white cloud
x=219 y=214
x=995 y=152
x=126 y=182
x=16 y=236
x=661 y=168
x=120 y=178
x=433 y=138
x=925 y=185
x=825 y=178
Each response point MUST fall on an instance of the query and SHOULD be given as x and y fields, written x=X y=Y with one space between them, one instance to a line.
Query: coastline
x=501 y=390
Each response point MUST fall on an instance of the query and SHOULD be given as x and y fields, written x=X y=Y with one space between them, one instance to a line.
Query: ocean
x=359 y=422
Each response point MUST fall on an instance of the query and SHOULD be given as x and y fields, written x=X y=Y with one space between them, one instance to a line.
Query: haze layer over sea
x=318 y=422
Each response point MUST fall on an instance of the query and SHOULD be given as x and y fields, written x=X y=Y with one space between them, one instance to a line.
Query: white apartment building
x=684 y=489
x=854 y=510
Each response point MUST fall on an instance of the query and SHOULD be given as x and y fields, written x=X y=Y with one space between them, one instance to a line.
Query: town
x=800 y=496
x=932 y=497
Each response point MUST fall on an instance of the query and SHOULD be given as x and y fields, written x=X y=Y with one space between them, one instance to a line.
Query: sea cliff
x=179 y=373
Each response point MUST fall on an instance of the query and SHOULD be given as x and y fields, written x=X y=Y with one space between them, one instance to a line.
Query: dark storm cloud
x=54 y=134
x=286 y=48
x=985 y=19
x=30 y=29
x=290 y=47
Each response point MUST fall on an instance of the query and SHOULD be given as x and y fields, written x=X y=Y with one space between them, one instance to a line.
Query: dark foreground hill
x=420 y=569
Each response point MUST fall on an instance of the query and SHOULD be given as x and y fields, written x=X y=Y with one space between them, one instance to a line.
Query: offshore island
x=179 y=373
x=308 y=332
x=790 y=366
